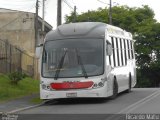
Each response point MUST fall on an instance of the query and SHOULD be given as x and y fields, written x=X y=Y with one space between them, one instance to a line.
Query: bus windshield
x=72 y=58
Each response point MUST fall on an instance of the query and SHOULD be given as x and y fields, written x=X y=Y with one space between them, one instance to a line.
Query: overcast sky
x=82 y=6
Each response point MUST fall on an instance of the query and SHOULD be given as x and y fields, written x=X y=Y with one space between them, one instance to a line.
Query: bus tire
x=115 y=89
x=129 y=84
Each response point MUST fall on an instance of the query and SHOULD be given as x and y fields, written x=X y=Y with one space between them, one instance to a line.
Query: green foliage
x=146 y=31
x=90 y=16
x=27 y=86
x=15 y=77
x=149 y=76
x=143 y=81
x=36 y=100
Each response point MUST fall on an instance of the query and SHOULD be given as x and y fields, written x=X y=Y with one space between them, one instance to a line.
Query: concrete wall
x=18 y=29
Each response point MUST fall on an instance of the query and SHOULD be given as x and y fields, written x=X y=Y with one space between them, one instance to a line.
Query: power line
x=23 y=0
x=17 y=4
x=20 y=1
x=73 y=2
x=68 y=4
x=102 y=2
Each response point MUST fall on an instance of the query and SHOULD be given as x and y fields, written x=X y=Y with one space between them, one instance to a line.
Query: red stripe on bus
x=71 y=85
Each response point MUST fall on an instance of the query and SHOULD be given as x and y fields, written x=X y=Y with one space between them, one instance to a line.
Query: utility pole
x=36 y=24
x=59 y=12
x=110 y=12
x=88 y=16
x=74 y=19
x=43 y=8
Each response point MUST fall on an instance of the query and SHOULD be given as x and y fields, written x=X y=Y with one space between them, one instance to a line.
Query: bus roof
x=83 y=29
x=116 y=31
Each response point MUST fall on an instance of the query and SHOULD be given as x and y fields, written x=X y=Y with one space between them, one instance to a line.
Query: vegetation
x=15 y=77
x=146 y=31
x=36 y=100
x=8 y=91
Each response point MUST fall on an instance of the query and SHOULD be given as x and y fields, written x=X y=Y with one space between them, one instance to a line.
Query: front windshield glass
x=72 y=58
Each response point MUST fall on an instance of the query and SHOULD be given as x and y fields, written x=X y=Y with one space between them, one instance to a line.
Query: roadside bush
x=15 y=77
x=142 y=80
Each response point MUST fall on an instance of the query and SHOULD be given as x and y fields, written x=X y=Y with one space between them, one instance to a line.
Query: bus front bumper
x=87 y=93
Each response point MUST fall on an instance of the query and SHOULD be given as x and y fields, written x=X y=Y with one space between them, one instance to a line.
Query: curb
x=25 y=108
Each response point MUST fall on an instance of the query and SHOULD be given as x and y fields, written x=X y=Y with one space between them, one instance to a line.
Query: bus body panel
x=121 y=72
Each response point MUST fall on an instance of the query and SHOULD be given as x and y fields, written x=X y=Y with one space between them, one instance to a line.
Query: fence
x=14 y=59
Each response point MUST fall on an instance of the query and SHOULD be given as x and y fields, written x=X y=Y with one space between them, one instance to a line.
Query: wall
x=18 y=29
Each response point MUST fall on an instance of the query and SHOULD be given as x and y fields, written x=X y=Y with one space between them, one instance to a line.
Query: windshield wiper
x=81 y=63
x=60 y=64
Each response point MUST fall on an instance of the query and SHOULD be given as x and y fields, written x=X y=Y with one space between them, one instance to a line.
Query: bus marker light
x=95 y=85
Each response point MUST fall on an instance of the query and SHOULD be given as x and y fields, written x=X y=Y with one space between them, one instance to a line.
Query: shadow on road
x=72 y=101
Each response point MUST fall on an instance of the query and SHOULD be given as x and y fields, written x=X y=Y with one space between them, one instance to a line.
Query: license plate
x=71 y=95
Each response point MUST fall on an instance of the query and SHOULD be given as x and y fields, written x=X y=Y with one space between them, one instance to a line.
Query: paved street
x=140 y=100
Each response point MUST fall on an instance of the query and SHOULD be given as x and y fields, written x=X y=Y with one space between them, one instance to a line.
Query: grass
x=36 y=100
x=25 y=87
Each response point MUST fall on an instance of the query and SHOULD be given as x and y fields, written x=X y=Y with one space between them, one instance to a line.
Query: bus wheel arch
x=115 y=88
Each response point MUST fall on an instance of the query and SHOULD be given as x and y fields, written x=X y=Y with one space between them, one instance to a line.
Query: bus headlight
x=46 y=87
x=98 y=85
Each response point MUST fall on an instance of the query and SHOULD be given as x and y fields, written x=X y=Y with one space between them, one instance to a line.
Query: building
x=19 y=36
x=19 y=29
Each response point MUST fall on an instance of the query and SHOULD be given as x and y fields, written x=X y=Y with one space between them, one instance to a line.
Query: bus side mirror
x=39 y=50
x=109 y=49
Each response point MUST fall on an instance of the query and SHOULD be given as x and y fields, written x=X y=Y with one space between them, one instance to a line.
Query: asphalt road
x=139 y=101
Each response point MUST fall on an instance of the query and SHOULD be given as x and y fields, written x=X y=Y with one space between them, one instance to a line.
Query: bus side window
x=118 y=55
x=128 y=47
x=113 y=48
x=125 y=51
x=132 y=49
x=121 y=49
x=110 y=57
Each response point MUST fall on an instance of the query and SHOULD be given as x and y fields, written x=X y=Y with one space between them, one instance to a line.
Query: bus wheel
x=129 y=84
x=115 y=89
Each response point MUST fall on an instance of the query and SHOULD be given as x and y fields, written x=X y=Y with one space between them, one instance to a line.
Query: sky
x=82 y=6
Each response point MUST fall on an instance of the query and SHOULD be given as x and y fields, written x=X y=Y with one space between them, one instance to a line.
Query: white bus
x=87 y=60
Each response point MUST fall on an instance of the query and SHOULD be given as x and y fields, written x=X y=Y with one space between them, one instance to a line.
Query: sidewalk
x=16 y=104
